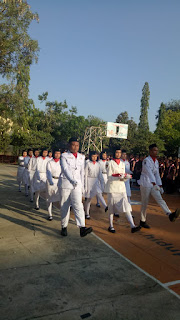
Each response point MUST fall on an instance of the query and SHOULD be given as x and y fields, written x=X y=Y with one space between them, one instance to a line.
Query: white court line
x=168 y=284
x=133 y=264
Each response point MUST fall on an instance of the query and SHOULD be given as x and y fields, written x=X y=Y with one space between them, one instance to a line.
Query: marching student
x=50 y=155
x=94 y=183
x=26 y=172
x=32 y=169
x=53 y=170
x=71 y=187
x=151 y=184
x=21 y=168
x=127 y=170
x=103 y=162
x=116 y=190
x=39 y=180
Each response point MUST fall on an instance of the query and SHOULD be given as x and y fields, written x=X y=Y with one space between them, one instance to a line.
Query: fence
x=8 y=159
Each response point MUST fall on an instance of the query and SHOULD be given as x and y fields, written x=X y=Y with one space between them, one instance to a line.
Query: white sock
x=49 y=205
x=111 y=220
x=130 y=219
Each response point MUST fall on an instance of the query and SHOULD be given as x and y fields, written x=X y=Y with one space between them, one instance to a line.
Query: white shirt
x=32 y=164
x=150 y=173
x=72 y=174
x=53 y=170
x=114 y=185
x=103 y=166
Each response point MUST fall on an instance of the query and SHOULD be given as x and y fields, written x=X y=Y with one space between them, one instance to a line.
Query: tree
x=5 y=133
x=17 y=49
x=143 y=120
x=161 y=113
x=169 y=131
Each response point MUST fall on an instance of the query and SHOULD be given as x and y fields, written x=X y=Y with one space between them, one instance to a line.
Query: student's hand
x=155 y=187
x=161 y=190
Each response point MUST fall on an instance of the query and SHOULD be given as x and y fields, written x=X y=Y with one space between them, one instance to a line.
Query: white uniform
x=53 y=171
x=103 y=165
x=71 y=187
x=116 y=190
x=21 y=168
x=39 y=180
x=26 y=173
x=127 y=183
x=32 y=169
x=94 y=184
x=149 y=174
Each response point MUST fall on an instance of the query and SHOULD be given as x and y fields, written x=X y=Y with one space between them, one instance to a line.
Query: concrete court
x=45 y=276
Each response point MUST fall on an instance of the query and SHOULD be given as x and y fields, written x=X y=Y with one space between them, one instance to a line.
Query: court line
x=172 y=283
x=137 y=267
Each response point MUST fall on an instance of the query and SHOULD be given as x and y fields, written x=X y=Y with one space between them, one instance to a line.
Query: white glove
x=122 y=177
x=74 y=183
x=155 y=187
x=161 y=190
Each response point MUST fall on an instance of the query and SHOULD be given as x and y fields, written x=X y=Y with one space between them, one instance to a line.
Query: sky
x=97 y=54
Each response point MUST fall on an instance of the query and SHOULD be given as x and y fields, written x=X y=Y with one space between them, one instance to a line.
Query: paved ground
x=45 y=276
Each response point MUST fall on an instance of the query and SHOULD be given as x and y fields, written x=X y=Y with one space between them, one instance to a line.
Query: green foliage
x=143 y=120
x=5 y=130
x=169 y=131
x=17 y=49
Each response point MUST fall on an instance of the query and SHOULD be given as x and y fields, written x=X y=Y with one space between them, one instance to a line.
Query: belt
x=104 y=172
x=55 y=177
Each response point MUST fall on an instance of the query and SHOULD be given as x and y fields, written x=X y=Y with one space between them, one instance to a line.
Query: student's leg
x=87 y=205
x=37 y=193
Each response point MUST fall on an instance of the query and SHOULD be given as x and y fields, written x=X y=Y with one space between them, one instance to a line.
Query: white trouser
x=31 y=193
x=71 y=197
x=37 y=193
x=49 y=206
x=26 y=189
x=145 y=194
x=97 y=199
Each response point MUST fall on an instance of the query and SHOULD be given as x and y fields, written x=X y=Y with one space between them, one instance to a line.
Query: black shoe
x=174 y=215
x=50 y=218
x=19 y=190
x=112 y=230
x=31 y=200
x=36 y=208
x=106 y=209
x=98 y=205
x=116 y=215
x=143 y=224
x=26 y=195
x=64 y=232
x=135 y=229
x=84 y=231
x=87 y=217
